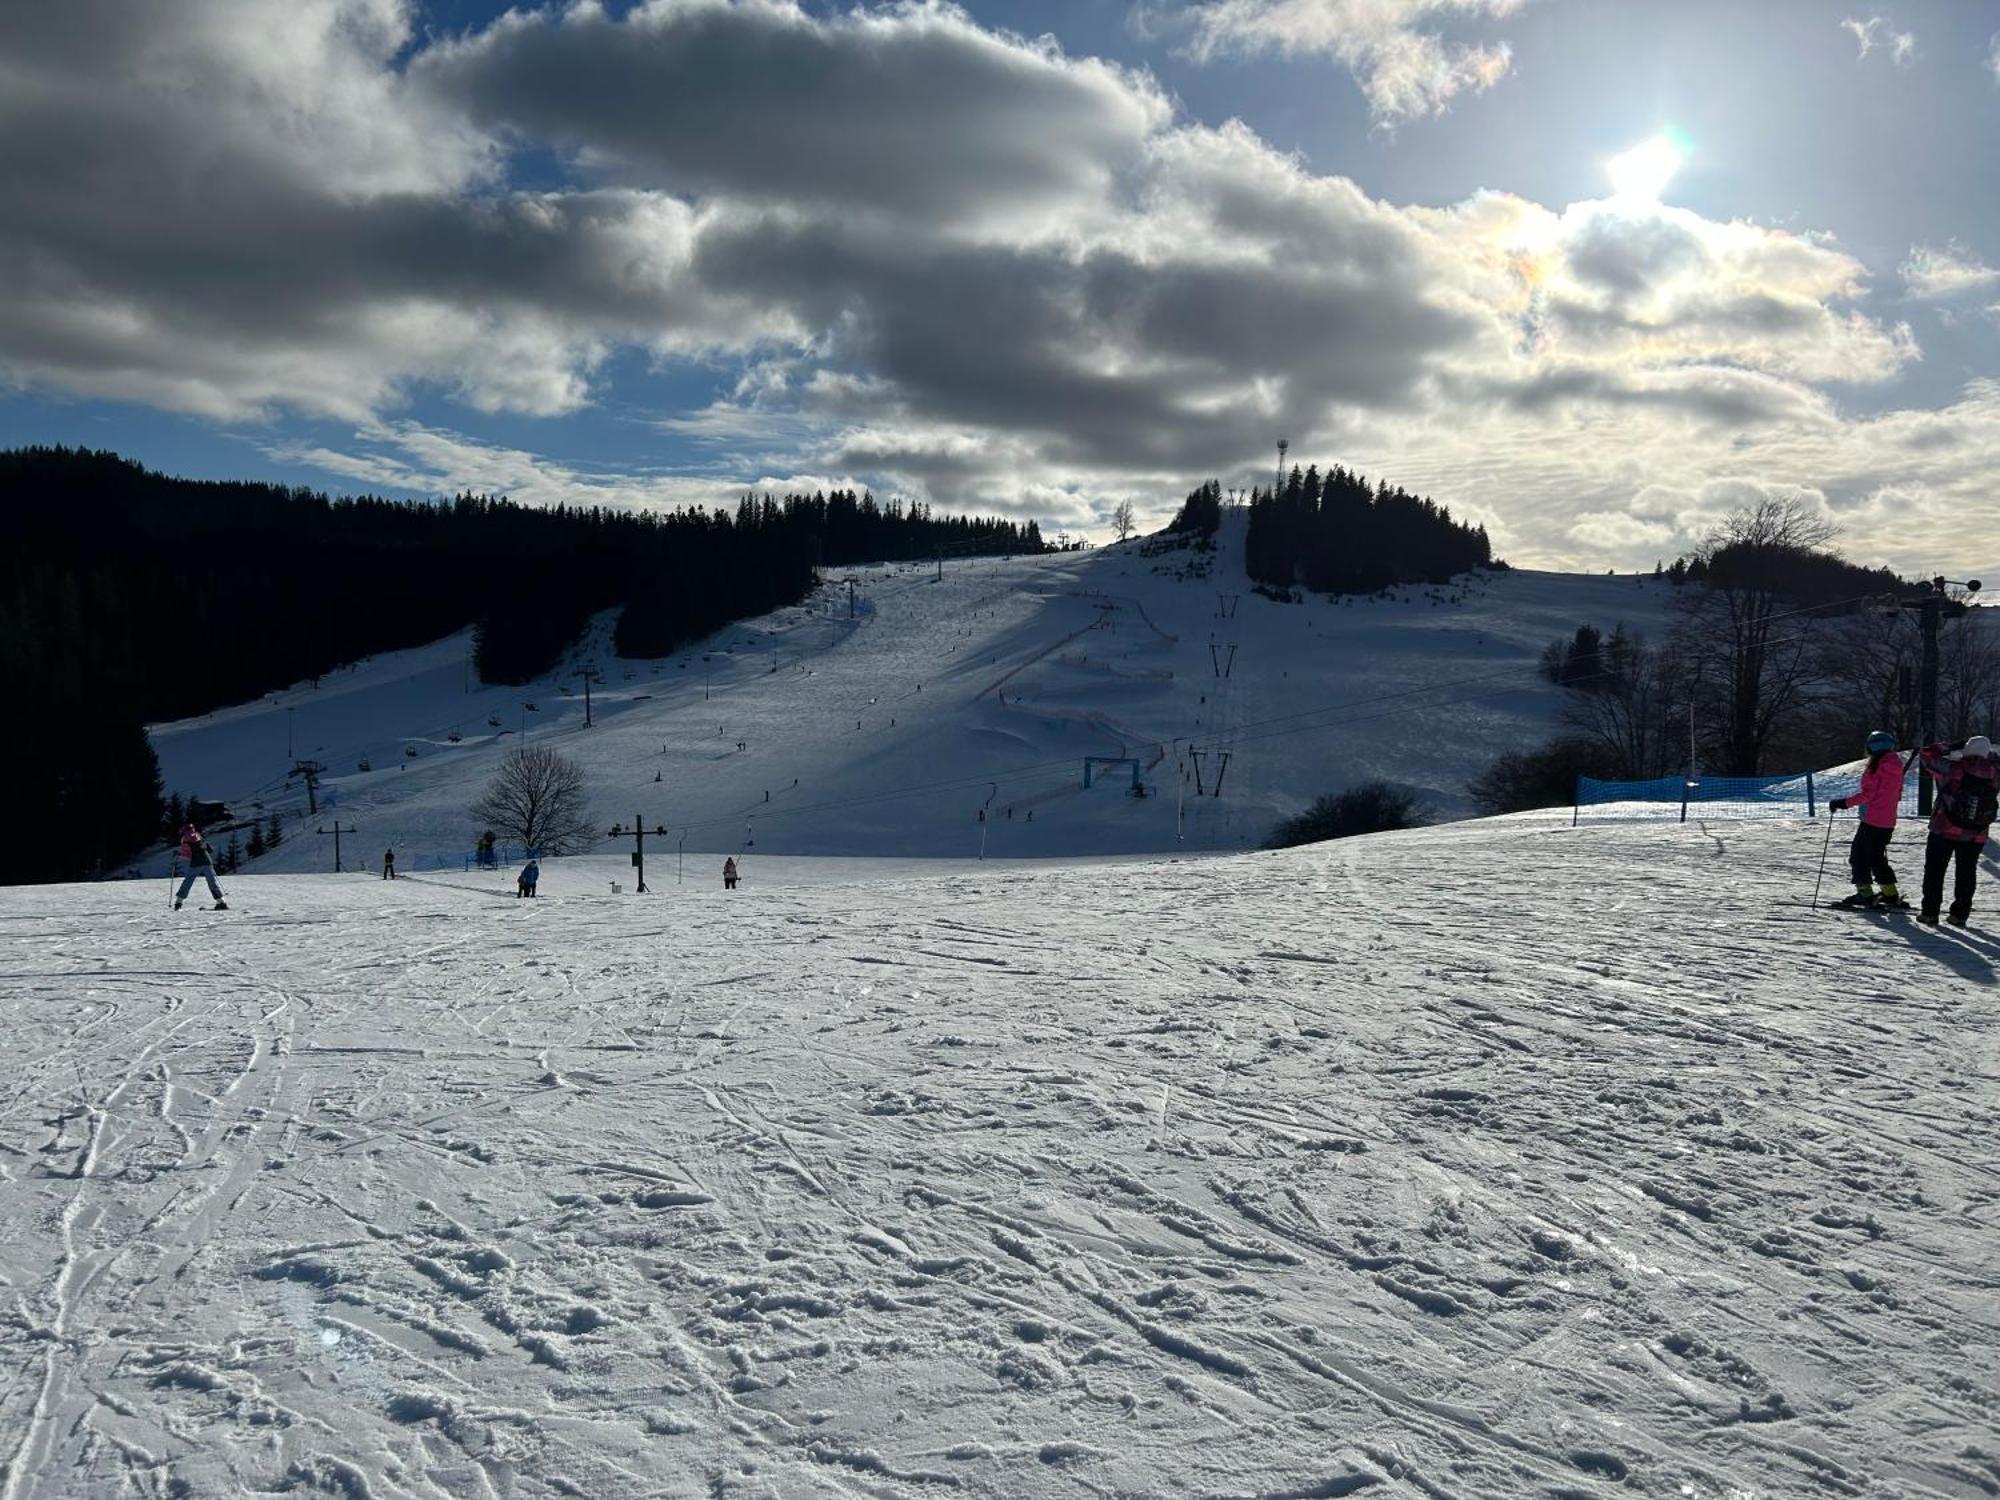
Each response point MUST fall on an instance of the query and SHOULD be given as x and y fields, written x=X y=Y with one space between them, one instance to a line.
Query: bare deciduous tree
x=1633 y=708
x=537 y=797
x=1969 y=674
x=1121 y=520
x=1740 y=628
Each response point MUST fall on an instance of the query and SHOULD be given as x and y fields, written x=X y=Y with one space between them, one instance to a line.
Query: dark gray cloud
x=1105 y=358
x=1628 y=255
x=1721 y=397
x=915 y=110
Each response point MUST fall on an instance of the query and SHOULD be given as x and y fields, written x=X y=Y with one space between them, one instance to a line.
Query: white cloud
x=408 y=457
x=1879 y=31
x=1404 y=65
x=1934 y=273
x=1993 y=57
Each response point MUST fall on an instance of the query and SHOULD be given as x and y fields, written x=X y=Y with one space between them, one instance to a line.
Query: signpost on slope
x=337 y=831
x=638 y=836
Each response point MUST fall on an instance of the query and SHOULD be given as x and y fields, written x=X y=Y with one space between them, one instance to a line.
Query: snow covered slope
x=1496 y=1160
x=889 y=733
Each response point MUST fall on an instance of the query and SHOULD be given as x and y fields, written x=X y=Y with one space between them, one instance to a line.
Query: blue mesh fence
x=1798 y=796
x=1802 y=794
x=503 y=854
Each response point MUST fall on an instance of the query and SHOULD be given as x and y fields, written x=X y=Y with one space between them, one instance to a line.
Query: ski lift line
x=1029 y=771
x=1032 y=769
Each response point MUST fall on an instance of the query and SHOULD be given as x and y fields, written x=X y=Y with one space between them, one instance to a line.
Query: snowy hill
x=1499 y=1159
x=889 y=732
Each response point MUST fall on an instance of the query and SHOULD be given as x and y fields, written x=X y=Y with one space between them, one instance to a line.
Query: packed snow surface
x=974 y=687
x=1498 y=1159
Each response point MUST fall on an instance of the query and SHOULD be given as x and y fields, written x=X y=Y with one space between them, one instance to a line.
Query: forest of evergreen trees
x=1340 y=535
x=127 y=597
x=1201 y=512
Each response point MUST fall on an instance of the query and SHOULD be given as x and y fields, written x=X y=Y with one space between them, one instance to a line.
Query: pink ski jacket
x=1881 y=790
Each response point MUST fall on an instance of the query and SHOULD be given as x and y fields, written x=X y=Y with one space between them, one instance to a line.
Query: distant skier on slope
x=388 y=864
x=1968 y=793
x=729 y=873
x=200 y=860
x=530 y=877
x=1881 y=789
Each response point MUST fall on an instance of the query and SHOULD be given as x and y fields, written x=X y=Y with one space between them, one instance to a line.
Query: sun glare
x=1642 y=174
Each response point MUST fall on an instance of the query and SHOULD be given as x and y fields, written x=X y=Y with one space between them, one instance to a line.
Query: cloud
x=1993 y=57
x=1879 y=31
x=411 y=458
x=1934 y=274
x=1403 y=64
x=995 y=277
x=911 y=109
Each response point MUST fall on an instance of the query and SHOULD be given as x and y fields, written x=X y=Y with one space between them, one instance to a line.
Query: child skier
x=1968 y=792
x=200 y=861
x=1881 y=789
x=531 y=874
x=729 y=873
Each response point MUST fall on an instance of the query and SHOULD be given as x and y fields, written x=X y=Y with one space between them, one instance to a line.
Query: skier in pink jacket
x=1881 y=790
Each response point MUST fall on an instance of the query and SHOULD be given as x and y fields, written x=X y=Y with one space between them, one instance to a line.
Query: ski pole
x=173 y=869
x=1822 y=857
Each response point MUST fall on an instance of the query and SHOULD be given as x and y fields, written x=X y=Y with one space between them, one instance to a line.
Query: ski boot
x=220 y=906
x=1958 y=916
x=1862 y=900
x=1928 y=916
x=1889 y=899
x=177 y=906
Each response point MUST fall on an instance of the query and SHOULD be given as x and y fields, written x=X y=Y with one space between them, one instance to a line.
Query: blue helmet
x=1881 y=740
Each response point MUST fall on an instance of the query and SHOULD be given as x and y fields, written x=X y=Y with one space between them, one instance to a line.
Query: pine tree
x=274 y=831
x=255 y=846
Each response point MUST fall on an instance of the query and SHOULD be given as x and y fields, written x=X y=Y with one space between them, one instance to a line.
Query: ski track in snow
x=1492 y=1160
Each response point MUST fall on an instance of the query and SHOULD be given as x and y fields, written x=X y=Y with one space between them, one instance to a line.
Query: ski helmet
x=1881 y=740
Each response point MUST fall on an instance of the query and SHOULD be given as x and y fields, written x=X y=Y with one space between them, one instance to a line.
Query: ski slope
x=1496 y=1159
x=889 y=732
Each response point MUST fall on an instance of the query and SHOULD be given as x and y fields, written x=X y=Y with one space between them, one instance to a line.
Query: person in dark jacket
x=1968 y=790
x=531 y=875
x=729 y=873
x=198 y=858
x=388 y=864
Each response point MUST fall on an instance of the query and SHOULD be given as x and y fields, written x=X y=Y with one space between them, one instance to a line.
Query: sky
x=1592 y=272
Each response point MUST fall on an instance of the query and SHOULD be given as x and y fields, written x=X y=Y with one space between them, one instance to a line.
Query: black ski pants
x=1961 y=853
x=1869 y=855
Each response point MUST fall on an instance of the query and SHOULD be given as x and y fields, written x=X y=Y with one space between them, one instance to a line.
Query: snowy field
x=1501 y=1159
x=888 y=734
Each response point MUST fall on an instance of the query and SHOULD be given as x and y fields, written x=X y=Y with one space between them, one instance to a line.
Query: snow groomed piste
x=982 y=690
x=1495 y=1159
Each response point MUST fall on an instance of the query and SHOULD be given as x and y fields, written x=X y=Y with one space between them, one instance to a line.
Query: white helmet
x=1978 y=745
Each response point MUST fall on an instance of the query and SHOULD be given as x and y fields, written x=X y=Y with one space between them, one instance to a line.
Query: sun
x=1642 y=174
